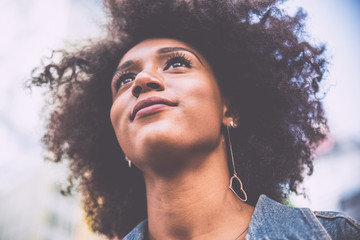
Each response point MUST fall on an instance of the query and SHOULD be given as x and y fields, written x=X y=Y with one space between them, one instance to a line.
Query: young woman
x=188 y=118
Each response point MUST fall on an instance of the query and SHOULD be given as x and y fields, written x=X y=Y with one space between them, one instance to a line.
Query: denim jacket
x=272 y=220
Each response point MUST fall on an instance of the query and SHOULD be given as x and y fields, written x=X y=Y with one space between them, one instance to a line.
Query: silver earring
x=233 y=124
x=128 y=160
x=235 y=177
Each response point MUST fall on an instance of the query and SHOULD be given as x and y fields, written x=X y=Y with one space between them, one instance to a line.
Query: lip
x=149 y=103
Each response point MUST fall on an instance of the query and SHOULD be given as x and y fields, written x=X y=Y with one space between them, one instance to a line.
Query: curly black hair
x=263 y=64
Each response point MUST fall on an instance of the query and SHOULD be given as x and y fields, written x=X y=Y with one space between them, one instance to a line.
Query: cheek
x=203 y=106
x=205 y=96
x=117 y=116
x=114 y=116
x=119 y=111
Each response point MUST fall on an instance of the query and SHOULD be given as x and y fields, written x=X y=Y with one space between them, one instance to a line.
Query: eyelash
x=172 y=59
x=177 y=58
x=121 y=77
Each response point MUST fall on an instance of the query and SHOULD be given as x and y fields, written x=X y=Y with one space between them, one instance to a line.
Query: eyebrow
x=160 y=51
x=124 y=65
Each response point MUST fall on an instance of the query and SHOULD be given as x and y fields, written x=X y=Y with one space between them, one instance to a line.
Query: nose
x=147 y=81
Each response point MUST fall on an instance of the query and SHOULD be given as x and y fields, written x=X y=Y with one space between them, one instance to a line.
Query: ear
x=230 y=114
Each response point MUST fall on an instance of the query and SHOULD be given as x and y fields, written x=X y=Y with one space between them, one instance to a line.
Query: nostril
x=137 y=90
x=143 y=84
x=153 y=85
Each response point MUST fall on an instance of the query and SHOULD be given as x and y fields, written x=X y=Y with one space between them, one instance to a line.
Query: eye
x=123 y=79
x=177 y=60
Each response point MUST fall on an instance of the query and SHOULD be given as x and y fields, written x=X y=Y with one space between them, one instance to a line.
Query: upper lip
x=148 y=102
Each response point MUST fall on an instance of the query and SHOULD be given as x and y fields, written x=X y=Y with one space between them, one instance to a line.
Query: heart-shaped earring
x=235 y=177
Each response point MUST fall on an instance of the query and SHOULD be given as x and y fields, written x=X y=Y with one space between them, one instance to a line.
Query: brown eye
x=178 y=64
x=124 y=79
x=176 y=61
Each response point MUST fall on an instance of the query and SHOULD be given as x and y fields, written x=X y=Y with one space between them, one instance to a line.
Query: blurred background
x=31 y=206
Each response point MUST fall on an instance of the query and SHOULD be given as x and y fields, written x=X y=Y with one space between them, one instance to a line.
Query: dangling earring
x=128 y=160
x=235 y=177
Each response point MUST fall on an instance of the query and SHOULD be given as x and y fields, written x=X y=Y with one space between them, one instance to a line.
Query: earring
x=235 y=177
x=128 y=160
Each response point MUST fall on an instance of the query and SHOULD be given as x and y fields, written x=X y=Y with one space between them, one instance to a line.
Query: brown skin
x=180 y=149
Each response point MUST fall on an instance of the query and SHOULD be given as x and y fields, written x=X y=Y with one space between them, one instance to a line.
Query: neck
x=196 y=203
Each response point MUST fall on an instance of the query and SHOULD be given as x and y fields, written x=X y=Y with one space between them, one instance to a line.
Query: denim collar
x=270 y=220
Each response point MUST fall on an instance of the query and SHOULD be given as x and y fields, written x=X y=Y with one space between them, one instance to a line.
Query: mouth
x=149 y=106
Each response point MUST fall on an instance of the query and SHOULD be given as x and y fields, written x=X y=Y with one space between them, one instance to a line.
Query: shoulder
x=338 y=225
x=277 y=221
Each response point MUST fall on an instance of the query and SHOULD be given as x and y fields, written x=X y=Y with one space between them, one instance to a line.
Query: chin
x=172 y=143
x=159 y=139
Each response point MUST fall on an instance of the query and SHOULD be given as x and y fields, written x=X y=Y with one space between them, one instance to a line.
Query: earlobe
x=230 y=116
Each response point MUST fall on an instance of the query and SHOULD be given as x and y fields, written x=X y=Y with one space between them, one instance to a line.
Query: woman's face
x=166 y=103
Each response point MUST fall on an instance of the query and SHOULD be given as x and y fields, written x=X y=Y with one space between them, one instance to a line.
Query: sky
x=335 y=23
x=30 y=29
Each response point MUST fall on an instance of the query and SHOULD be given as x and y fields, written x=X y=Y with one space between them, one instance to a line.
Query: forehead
x=151 y=46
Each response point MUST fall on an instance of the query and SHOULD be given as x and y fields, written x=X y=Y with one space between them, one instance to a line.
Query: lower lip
x=150 y=110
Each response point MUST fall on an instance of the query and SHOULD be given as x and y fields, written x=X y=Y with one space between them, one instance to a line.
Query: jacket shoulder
x=338 y=225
